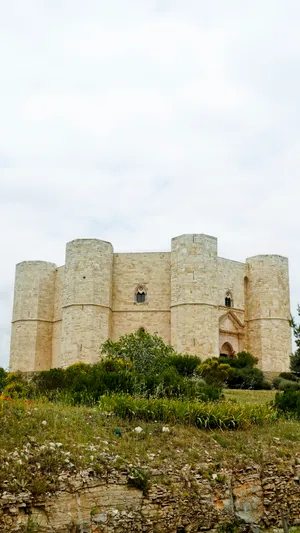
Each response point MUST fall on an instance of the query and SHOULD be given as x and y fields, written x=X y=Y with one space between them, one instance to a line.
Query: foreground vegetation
x=142 y=404
x=39 y=442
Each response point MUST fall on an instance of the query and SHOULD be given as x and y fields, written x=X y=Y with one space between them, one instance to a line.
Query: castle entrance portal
x=226 y=350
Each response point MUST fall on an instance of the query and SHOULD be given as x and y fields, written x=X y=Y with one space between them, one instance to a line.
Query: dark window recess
x=140 y=297
x=228 y=301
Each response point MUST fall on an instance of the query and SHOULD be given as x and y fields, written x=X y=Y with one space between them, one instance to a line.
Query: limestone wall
x=87 y=300
x=231 y=276
x=151 y=270
x=31 y=340
x=57 y=317
x=194 y=295
x=268 y=311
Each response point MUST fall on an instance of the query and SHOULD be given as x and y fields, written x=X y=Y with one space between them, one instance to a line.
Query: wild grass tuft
x=220 y=415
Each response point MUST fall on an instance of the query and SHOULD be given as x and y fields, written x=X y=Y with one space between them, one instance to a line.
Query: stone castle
x=200 y=303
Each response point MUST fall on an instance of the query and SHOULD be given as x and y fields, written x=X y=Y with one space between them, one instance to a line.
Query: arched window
x=228 y=299
x=140 y=294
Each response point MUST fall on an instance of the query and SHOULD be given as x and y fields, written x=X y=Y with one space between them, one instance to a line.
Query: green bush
x=247 y=378
x=16 y=389
x=240 y=360
x=145 y=352
x=49 y=380
x=266 y=385
x=184 y=364
x=214 y=372
x=289 y=375
x=288 y=401
x=285 y=384
x=139 y=364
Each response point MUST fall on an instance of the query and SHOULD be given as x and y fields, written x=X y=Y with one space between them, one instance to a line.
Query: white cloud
x=137 y=121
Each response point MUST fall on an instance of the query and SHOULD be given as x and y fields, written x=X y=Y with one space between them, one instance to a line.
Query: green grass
x=211 y=415
x=254 y=397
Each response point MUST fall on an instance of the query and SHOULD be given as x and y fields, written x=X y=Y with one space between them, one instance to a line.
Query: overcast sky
x=135 y=121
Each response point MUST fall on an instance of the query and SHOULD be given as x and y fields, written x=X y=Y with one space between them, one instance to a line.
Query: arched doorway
x=226 y=350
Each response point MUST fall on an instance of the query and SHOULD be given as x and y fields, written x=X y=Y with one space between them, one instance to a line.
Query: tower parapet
x=87 y=300
x=194 y=298
x=267 y=310
x=31 y=339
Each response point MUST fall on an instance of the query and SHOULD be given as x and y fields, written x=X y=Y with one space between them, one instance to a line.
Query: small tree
x=147 y=353
x=295 y=357
x=214 y=372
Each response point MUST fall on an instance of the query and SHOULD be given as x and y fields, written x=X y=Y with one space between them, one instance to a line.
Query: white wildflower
x=44 y=423
x=165 y=429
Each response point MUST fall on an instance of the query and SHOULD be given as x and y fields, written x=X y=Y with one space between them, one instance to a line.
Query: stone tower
x=267 y=311
x=194 y=305
x=32 y=323
x=87 y=300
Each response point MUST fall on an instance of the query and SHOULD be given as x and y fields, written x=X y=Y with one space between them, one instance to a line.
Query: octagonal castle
x=200 y=303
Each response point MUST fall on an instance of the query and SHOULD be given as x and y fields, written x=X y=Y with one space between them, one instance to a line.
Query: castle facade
x=200 y=303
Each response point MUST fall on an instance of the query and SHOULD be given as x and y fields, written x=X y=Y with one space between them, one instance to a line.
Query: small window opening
x=140 y=297
x=228 y=299
x=140 y=294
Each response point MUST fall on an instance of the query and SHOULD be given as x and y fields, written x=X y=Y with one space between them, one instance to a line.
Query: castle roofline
x=87 y=239
x=194 y=234
x=36 y=262
x=266 y=256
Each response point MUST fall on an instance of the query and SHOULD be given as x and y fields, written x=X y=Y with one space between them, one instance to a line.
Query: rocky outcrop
x=208 y=498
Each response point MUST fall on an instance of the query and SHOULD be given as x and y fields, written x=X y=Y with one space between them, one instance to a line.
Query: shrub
x=208 y=393
x=240 y=360
x=247 y=378
x=214 y=372
x=266 y=385
x=147 y=353
x=16 y=389
x=114 y=365
x=285 y=384
x=288 y=401
x=48 y=380
x=184 y=364
x=289 y=375
x=15 y=376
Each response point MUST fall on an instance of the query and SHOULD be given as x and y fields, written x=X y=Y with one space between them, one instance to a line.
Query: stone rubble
x=205 y=498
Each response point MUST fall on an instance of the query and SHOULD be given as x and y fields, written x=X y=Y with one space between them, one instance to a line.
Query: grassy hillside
x=39 y=440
